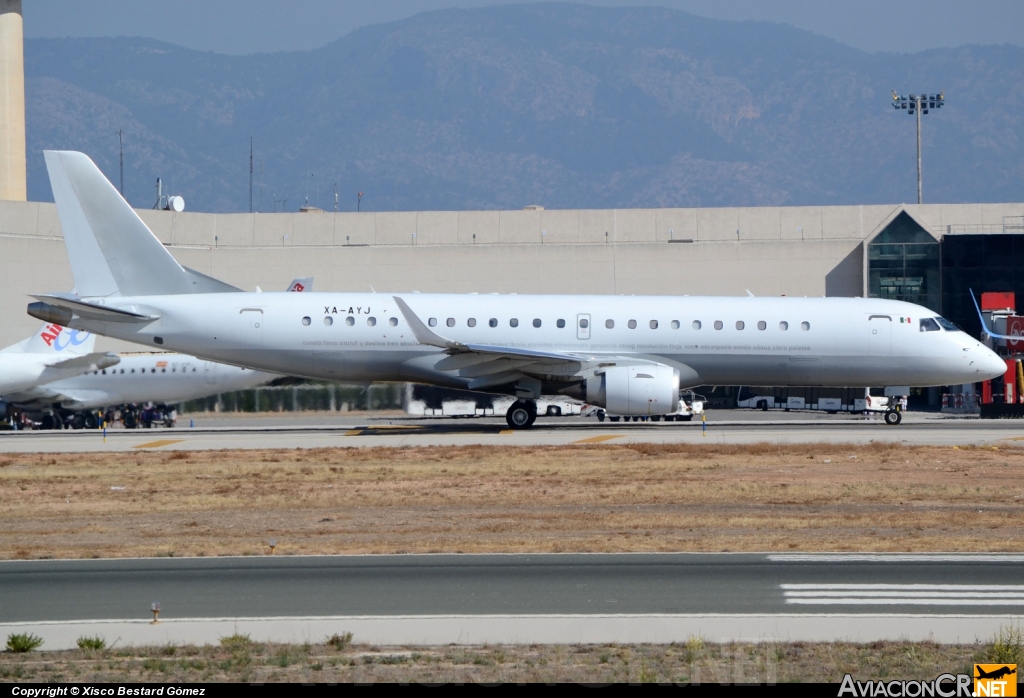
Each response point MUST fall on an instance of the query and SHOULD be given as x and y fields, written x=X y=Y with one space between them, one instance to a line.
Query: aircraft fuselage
x=765 y=341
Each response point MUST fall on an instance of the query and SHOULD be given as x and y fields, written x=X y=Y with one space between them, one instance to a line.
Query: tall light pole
x=916 y=105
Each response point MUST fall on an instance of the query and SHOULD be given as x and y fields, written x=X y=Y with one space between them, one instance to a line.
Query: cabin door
x=880 y=338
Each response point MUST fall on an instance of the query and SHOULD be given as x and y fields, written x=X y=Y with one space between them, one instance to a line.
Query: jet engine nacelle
x=636 y=390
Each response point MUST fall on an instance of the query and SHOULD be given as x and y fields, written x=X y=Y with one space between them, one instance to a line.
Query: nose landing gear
x=522 y=414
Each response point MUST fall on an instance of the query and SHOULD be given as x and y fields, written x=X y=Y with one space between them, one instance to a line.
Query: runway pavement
x=436 y=599
x=728 y=427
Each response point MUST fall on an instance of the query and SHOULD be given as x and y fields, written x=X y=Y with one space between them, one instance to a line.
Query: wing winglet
x=984 y=327
x=423 y=334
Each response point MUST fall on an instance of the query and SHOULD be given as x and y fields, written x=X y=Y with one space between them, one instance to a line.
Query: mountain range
x=559 y=105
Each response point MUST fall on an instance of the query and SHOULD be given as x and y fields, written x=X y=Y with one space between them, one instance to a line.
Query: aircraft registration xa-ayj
x=629 y=354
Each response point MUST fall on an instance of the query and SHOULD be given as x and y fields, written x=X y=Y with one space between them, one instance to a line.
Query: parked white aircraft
x=52 y=353
x=631 y=355
x=69 y=376
x=163 y=377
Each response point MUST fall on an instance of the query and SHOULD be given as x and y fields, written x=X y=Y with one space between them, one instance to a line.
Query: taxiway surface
x=397 y=599
x=728 y=427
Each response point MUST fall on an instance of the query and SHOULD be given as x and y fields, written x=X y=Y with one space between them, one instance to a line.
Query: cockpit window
x=929 y=325
x=947 y=325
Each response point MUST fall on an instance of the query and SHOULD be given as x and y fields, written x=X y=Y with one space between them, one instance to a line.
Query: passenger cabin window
x=584 y=323
x=328 y=321
x=306 y=321
x=432 y=322
x=536 y=322
x=675 y=324
x=805 y=325
x=493 y=322
x=654 y=324
x=610 y=324
x=783 y=325
x=718 y=324
x=514 y=322
x=450 y=322
x=929 y=325
x=371 y=321
x=740 y=325
x=559 y=323
x=696 y=324
x=393 y=321
x=471 y=322
x=350 y=321
x=762 y=325
x=631 y=324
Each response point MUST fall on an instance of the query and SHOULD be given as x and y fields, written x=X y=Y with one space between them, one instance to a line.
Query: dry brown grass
x=690 y=662
x=639 y=497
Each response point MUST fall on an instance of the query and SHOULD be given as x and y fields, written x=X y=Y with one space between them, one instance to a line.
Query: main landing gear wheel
x=892 y=417
x=521 y=415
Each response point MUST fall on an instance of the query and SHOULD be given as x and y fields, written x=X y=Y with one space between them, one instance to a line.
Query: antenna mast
x=250 y=174
x=120 y=146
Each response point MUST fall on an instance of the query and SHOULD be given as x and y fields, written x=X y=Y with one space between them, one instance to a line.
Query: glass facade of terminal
x=980 y=263
x=904 y=264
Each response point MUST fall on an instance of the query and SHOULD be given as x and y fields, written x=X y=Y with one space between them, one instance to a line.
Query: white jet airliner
x=629 y=354
x=164 y=377
x=51 y=354
x=56 y=370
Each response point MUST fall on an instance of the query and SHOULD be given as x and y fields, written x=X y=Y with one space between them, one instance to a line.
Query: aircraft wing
x=74 y=398
x=88 y=362
x=488 y=365
x=425 y=335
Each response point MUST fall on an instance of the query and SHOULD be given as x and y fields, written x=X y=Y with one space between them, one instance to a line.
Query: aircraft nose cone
x=990 y=365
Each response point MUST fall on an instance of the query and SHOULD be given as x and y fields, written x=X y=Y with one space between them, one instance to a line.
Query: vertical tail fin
x=52 y=338
x=112 y=252
x=301 y=284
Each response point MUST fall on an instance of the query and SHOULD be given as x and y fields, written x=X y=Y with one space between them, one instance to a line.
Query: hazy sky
x=248 y=26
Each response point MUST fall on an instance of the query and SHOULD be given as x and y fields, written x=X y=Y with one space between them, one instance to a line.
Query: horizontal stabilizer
x=62 y=309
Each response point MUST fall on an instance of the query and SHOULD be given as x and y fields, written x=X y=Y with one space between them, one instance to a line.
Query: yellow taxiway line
x=158 y=444
x=598 y=439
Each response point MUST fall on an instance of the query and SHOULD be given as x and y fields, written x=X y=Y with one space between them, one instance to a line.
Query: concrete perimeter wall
x=812 y=251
